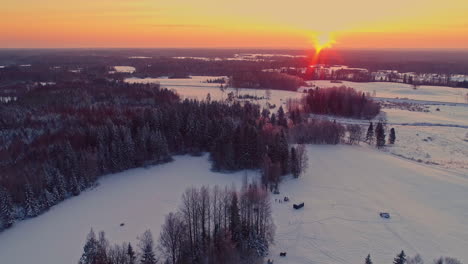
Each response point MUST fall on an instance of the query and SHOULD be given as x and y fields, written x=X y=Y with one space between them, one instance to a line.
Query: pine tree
x=295 y=170
x=380 y=135
x=235 y=222
x=400 y=258
x=90 y=249
x=6 y=209
x=283 y=153
x=370 y=133
x=368 y=260
x=146 y=246
x=392 y=136
x=30 y=203
x=282 y=121
x=131 y=254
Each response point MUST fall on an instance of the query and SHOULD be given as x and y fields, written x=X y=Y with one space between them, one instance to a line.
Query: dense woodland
x=341 y=101
x=266 y=80
x=57 y=140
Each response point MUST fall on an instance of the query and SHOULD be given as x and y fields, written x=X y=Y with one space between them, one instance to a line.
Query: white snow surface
x=196 y=87
x=401 y=90
x=125 y=69
x=345 y=189
x=139 y=198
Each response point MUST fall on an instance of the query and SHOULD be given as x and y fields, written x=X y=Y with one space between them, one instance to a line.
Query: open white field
x=140 y=198
x=344 y=190
x=197 y=88
x=401 y=90
x=446 y=116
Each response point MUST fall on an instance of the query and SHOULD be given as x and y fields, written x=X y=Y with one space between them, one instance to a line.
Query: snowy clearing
x=345 y=189
x=197 y=88
x=140 y=198
x=401 y=90
x=125 y=69
x=448 y=125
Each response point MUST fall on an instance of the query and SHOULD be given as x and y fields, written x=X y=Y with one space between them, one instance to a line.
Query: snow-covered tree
x=131 y=254
x=6 y=209
x=370 y=133
x=146 y=246
x=30 y=202
x=380 y=135
x=392 y=136
x=90 y=249
x=400 y=258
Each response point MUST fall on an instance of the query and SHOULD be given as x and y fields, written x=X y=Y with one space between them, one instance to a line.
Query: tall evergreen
x=370 y=133
x=146 y=247
x=380 y=135
x=235 y=222
x=282 y=121
x=90 y=249
x=295 y=170
x=131 y=254
x=6 y=209
x=30 y=203
x=400 y=258
x=368 y=260
x=392 y=136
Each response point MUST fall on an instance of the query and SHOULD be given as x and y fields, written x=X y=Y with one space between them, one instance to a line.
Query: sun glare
x=322 y=40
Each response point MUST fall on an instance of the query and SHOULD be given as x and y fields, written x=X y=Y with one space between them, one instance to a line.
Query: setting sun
x=322 y=40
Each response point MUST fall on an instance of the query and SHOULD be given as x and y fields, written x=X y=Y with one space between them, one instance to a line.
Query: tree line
x=340 y=101
x=57 y=140
x=402 y=258
x=213 y=225
x=267 y=80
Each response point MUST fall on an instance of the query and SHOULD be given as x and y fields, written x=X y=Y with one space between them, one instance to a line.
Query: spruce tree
x=380 y=135
x=235 y=222
x=90 y=249
x=295 y=170
x=400 y=258
x=131 y=254
x=392 y=136
x=146 y=246
x=30 y=204
x=6 y=209
x=370 y=133
x=368 y=260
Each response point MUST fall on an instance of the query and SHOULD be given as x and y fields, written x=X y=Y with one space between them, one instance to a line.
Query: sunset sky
x=235 y=23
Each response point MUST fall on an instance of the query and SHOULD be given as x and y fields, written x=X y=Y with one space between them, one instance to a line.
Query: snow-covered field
x=140 y=198
x=448 y=127
x=198 y=88
x=125 y=69
x=401 y=90
x=344 y=190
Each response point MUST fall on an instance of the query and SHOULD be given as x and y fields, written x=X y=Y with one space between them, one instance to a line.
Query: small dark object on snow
x=437 y=109
x=385 y=215
x=276 y=192
x=122 y=224
x=298 y=206
x=269 y=261
x=286 y=199
x=282 y=254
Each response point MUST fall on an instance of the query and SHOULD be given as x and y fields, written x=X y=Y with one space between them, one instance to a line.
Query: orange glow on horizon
x=239 y=24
